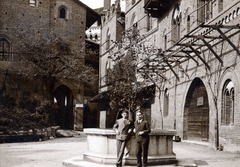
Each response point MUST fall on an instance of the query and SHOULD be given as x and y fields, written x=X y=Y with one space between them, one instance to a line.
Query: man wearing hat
x=122 y=127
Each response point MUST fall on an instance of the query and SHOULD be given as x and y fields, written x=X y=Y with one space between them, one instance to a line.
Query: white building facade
x=198 y=68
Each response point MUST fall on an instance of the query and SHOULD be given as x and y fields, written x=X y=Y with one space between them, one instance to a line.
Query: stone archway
x=64 y=98
x=196 y=113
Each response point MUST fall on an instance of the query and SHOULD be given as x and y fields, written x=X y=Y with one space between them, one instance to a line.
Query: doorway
x=64 y=98
x=196 y=113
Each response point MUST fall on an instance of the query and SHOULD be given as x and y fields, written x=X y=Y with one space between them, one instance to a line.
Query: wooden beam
x=199 y=56
x=177 y=55
x=228 y=40
x=193 y=44
x=170 y=66
x=211 y=49
x=179 y=65
x=221 y=26
x=205 y=36
x=190 y=51
x=191 y=57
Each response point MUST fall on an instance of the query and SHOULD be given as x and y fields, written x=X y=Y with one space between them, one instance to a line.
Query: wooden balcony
x=157 y=8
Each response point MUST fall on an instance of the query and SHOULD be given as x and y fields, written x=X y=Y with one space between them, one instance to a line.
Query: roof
x=92 y=16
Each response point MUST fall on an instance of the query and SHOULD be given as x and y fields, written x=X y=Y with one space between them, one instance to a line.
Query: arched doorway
x=64 y=98
x=196 y=113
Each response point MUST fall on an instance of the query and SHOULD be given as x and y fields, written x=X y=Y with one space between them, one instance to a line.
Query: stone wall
x=20 y=19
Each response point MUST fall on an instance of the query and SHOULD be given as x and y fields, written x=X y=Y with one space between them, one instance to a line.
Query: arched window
x=165 y=42
x=188 y=24
x=164 y=39
x=176 y=21
x=188 y=19
x=63 y=12
x=108 y=40
x=133 y=19
x=166 y=103
x=4 y=49
x=107 y=71
x=134 y=23
x=227 y=114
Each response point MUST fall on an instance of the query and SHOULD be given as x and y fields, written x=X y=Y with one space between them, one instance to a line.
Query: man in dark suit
x=122 y=127
x=142 y=130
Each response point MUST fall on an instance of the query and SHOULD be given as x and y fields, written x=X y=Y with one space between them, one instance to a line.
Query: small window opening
x=32 y=3
x=62 y=13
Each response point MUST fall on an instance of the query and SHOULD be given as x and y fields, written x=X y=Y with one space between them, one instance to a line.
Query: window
x=107 y=71
x=62 y=13
x=108 y=39
x=4 y=49
x=149 y=23
x=227 y=114
x=176 y=22
x=165 y=42
x=204 y=10
x=220 y=5
x=134 y=23
x=188 y=19
x=188 y=24
x=32 y=2
x=164 y=39
x=166 y=103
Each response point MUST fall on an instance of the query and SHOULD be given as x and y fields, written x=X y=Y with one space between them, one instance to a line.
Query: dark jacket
x=122 y=126
x=143 y=126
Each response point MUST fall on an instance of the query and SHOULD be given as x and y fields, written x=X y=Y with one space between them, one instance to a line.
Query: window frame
x=62 y=7
x=5 y=55
x=33 y=3
x=227 y=110
x=166 y=103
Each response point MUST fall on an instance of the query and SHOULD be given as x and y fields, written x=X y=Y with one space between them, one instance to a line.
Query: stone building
x=66 y=19
x=196 y=71
x=112 y=26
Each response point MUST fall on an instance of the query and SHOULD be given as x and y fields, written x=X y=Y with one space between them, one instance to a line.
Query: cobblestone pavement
x=52 y=153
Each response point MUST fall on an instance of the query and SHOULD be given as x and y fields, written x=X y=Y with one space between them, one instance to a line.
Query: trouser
x=120 y=151
x=142 y=151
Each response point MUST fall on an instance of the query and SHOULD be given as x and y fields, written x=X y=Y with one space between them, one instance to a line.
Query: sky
x=93 y=3
x=98 y=3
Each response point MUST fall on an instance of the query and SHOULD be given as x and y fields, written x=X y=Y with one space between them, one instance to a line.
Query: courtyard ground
x=52 y=153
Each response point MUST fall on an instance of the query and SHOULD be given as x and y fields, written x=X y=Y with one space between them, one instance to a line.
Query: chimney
x=107 y=5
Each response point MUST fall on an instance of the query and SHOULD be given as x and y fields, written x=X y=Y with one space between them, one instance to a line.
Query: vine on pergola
x=134 y=69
